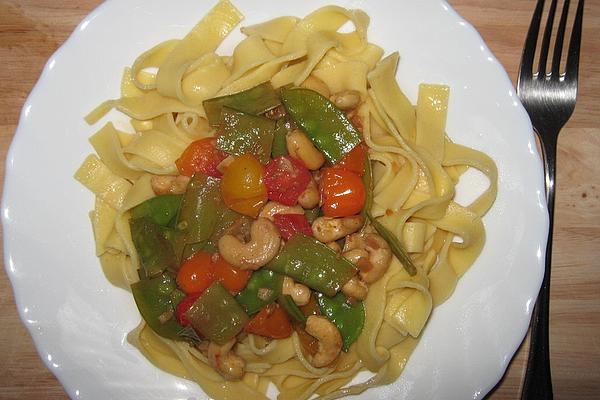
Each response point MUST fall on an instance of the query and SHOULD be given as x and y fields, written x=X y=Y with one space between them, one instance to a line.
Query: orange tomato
x=355 y=160
x=201 y=156
x=272 y=321
x=199 y=271
x=232 y=278
x=342 y=192
x=242 y=186
x=196 y=273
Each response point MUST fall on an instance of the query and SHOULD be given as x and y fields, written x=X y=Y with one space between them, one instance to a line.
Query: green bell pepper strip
x=197 y=215
x=326 y=125
x=291 y=308
x=243 y=133
x=395 y=245
x=255 y=101
x=348 y=318
x=154 y=249
x=216 y=315
x=310 y=262
x=161 y=209
x=279 y=147
x=263 y=287
x=153 y=298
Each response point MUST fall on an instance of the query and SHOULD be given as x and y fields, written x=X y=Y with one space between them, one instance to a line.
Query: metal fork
x=549 y=98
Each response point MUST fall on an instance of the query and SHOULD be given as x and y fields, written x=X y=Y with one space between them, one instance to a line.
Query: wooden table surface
x=31 y=30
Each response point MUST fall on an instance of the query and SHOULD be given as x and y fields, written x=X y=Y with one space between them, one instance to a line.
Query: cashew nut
x=379 y=252
x=260 y=249
x=310 y=197
x=346 y=99
x=314 y=83
x=226 y=362
x=300 y=293
x=165 y=184
x=299 y=146
x=273 y=207
x=328 y=229
x=329 y=340
x=358 y=257
x=355 y=288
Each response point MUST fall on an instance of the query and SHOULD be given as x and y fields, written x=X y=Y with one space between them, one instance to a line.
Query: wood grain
x=31 y=30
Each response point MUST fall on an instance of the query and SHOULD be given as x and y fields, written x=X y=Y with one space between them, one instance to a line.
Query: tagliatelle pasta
x=416 y=167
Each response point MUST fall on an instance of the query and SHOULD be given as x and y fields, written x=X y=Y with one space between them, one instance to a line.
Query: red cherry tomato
x=355 y=160
x=272 y=321
x=183 y=306
x=291 y=224
x=342 y=192
x=201 y=156
x=196 y=273
x=286 y=178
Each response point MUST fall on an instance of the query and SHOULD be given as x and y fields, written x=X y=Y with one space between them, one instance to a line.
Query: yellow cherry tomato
x=242 y=186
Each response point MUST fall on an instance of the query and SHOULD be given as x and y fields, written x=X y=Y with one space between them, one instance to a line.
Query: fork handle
x=538 y=378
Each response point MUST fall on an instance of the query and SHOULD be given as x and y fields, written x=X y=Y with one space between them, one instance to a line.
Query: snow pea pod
x=155 y=298
x=228 y=220
x=349 y=318
x=263 y=288
x=161 y=209
x=193 y=248
x=279 y=147
x=153 y=246
x=242 y=133
x=197 y=215
x=255 y=101
x=310 y=262
x=225 y=220
x=326 y=125
x=216 y=315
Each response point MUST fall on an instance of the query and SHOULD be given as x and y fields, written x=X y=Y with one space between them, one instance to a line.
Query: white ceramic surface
x=79 y=321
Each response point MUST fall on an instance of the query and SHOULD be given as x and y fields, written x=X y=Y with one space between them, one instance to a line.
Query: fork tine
x=560 y=36
x=572 y=69
x=546 y=40
x=526 y=68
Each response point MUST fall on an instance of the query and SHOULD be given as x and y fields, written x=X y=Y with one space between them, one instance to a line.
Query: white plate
x=79 y=321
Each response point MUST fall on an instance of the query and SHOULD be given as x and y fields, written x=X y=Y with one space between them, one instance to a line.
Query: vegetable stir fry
x=266 y=230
